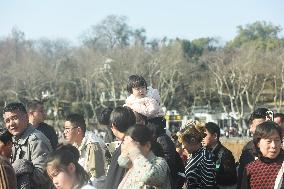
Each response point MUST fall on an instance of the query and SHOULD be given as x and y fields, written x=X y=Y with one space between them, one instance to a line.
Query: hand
x=22 y=166
x=124 y=149
x=129 y=146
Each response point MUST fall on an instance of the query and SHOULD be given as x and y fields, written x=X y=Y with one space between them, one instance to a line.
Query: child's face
x=60 y=178
x=5 y=149
x=139 y=92
x=270 y=147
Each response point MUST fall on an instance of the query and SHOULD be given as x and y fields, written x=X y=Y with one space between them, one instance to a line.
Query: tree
x=139 y=36
x=257 y=32
x=240 y=80
x=195 y=48
x=277 y=59
x=112 y=32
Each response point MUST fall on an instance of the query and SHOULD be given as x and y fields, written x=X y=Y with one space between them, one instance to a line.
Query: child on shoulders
x=145 y=100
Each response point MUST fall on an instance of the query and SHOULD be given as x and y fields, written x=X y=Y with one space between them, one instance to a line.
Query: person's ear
x=71 y=168
x=79 y=130
x=215 y=136
x=30 y=113
x=25 y=117
x=148 y=146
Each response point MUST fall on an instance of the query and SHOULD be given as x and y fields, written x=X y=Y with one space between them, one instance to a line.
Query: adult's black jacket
x=115 y=172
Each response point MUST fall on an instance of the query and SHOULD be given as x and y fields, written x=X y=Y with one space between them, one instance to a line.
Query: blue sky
x=188 y=19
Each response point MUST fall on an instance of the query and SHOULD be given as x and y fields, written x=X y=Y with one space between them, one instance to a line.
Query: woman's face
x=145 y=149
x=270 y=147
x=131 y=144
x=61 y=179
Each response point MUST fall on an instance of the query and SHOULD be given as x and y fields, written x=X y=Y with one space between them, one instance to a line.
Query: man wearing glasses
x=90 y=146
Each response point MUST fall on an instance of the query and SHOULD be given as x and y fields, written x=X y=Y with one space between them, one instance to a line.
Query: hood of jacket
x=91 y=137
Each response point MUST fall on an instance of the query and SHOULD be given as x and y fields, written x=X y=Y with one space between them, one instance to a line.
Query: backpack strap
x=279 y=178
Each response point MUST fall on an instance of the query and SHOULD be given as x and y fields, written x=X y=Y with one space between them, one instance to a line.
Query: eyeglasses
x=69 y=129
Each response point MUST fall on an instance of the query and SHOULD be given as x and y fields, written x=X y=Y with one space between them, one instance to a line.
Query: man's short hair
x=14 y=106
x=105 y=116
x=78 y=120
x=32 y=105
x=122 y=118
x=213 y=128
x=259 y=113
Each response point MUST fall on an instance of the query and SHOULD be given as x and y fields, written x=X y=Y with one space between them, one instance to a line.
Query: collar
x=268 y=160
x=151 y=155
x=25 y=135
x=197 y=151
x=82 y=146
x=216 y=148
x=88 y=138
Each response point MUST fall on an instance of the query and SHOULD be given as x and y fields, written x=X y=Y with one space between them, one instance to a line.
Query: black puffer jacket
x=174 y=161
x=226 y=173
x=249 y=154
x=115 y=172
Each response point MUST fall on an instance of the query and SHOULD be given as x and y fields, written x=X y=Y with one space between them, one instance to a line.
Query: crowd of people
x=135 y=151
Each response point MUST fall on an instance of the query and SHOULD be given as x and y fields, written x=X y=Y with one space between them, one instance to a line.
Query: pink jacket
x=148 y=106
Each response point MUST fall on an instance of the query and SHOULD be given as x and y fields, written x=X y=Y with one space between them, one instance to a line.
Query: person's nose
x=65 y=133
x=273 y=144
x=10 y=124
x=55 y=181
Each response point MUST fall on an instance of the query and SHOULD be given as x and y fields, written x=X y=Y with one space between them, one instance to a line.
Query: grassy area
x=235 y=145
